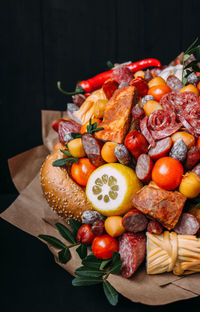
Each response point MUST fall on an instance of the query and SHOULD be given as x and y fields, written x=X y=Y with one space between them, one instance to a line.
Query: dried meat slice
x=117 y=115
x=161 y=205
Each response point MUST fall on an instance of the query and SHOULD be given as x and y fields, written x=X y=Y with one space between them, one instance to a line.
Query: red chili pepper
x=97 y=81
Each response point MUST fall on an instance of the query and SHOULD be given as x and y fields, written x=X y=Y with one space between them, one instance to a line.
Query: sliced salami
x=187 y=225
x=145 y=131
x=174 y=83
x=122 y=74
x=161 y=149
x=143 y=168
x=134 y=221
x=132 y=250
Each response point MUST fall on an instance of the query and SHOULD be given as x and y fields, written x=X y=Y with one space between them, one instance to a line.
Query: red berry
x=98 y=227
x=85 y=234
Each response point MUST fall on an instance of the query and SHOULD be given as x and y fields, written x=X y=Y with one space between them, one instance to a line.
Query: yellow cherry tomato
x=99 y=108
x=156 y=81
x=188 y=138
x=107 y=152
x=76 y=148
x=190 y=185
x=113 y=226
x=139 y=73
x=151 y=106
x=191 y=88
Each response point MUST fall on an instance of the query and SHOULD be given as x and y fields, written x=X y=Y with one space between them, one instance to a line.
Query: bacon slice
x=117 y=115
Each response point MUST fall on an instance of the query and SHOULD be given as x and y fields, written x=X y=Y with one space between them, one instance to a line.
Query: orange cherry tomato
x=190 y=88
x=158 y=91
x=84 y=127
x=198 y=142
x=81 y=171
x=167 y=173
x=104 y=246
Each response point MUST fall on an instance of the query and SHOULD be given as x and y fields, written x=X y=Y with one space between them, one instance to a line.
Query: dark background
x=68 y=40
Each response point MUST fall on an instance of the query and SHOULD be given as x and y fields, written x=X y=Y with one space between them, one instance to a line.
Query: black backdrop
x=68 y=40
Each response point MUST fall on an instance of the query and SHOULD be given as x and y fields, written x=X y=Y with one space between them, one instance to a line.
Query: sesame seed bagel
x=65 y=196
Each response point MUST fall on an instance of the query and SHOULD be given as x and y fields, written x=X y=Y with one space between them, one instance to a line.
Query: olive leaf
x=86 y=281
x=76 y=135
x=92 y=262
x=110 y=292
x=63 y=161
x=64 y=255
x=75 y=225
x=55 y=242
x=82 y=251
x=65 y=233
x=91 y=128
x=88 y=272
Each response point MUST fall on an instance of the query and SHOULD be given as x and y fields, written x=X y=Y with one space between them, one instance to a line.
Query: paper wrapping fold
x=31 y=213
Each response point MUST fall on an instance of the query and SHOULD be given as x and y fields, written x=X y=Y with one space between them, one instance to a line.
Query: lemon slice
x=110 y=188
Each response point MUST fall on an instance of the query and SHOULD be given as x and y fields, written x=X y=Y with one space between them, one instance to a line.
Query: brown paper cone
x=31 y=213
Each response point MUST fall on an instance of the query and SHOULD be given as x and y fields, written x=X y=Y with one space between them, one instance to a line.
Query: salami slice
x=163 y=124
x=132 y=250
x=161 y=149
x=145 y=131
x=122 y=74
x=143 y=167
x=134 y=221
x=187 y=225
x=174 y=83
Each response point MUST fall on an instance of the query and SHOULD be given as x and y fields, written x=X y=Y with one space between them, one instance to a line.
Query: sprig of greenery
x=109 y=64
x=63 y=161
x=96 y=271
x=64 y=254
x=91 y=128
x=191 y=66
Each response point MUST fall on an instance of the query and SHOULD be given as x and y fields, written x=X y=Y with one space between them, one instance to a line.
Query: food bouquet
x=124 y=175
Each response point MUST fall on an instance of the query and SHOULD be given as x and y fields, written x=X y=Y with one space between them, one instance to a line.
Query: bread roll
x=66 y=197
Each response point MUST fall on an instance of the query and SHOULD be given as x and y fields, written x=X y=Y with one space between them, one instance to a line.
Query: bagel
x=66 y=197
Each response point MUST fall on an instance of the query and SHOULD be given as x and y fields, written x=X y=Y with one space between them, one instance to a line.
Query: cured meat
x=145 y=131
x=164 y=206
x=138 y=114
x=162 y=124
x=123 y=155
x=92 y=148
x=117 y=115
x=122 y=74
x=179 y=150
x=174 y=83
x=132 y=250
x=78 y=99
x=154 y=227
x=193 y=157
x=65 y=128
x=134 y=221
x=196 y=169
x=161 y=149
x=143 y=168
x=188 y=224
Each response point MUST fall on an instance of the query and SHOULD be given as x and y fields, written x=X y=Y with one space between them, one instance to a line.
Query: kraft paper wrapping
x=31 y=213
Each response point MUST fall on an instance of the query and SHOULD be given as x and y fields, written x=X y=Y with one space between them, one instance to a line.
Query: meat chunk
x=161 y=205
x=117 y=115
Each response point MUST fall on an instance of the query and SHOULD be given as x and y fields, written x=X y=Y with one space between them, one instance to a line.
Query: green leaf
x=111 y=293
x=191 y=64
x=86 y=281
x=116 y=263
x=75 y=226
x=65 y=233
x=98 y=129
x=92 y=262
x=184 y=80
x=197 y=206
x=191 y=46
x=64 y=161
x=66 y=152
x=104 y=263
x=55 y=242
x=82 y=251
x=186 y=57
x=110 y=64
x=76 y=135
x=89 y=272
x=64 y=255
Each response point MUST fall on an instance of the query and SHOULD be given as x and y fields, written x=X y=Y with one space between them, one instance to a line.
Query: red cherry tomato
x=85 y=234
x=55 y=124
x=104 y=246
x=167 y=173
x=141 y=85
x=136 y=143
x=81 y=171
x=158 y=91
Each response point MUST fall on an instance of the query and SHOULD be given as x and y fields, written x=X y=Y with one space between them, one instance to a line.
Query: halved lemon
x=110 y=188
